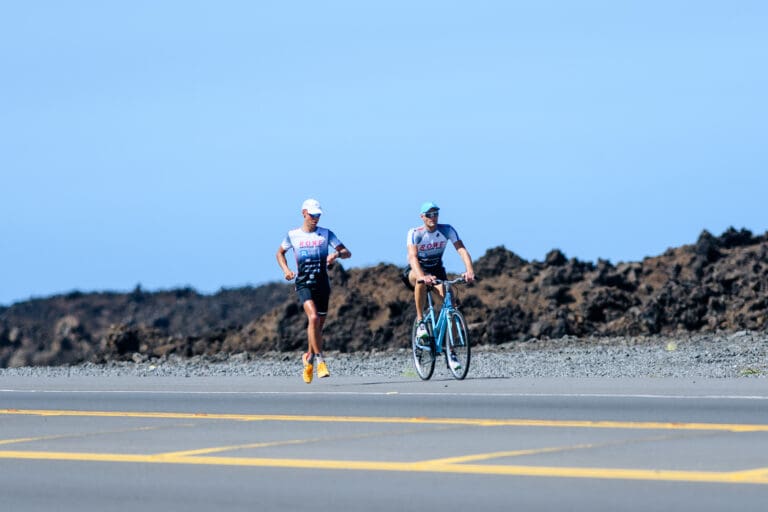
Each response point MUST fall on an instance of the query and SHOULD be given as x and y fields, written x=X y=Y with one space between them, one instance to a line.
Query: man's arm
x=287 y=272
x=341 y=252
x=413 y=261
x=469 y=275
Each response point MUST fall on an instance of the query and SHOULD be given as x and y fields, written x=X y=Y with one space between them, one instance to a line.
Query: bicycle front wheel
x=423 y=352
x=458 y=346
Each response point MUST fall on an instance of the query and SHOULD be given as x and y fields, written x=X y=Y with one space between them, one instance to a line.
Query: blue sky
x=171 y=143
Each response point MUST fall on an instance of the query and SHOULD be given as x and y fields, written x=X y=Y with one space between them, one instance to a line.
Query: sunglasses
x=314 y=215
x=431 y=215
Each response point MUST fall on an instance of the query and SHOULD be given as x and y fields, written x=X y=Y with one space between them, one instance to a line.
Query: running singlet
x=311 y=251
x=431 y=246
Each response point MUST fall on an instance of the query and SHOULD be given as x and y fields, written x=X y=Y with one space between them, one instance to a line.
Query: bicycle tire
x=457 y=339
x=423 y=353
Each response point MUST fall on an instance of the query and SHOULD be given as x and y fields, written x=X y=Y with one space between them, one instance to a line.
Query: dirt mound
x=79 y=327
x=718 y=283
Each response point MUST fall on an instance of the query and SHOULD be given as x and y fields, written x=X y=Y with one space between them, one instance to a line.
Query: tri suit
x=311 y=251
x=430 y=246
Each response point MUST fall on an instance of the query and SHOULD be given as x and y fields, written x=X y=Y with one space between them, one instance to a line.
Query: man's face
x=310 y=218
x=430 y=218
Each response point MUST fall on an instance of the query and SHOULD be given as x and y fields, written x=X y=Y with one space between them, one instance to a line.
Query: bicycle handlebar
x=458 y=280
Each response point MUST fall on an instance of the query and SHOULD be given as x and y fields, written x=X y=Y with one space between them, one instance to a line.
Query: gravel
x=742 y=354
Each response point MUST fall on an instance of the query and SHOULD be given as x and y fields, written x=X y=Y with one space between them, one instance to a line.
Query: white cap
x=312 y=206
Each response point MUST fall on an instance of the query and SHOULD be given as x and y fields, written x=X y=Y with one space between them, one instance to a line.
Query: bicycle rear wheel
x=458 y=345
x=423 y=352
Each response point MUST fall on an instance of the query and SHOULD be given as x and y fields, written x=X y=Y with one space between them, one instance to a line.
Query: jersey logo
x=432 y=246
x=311 y=243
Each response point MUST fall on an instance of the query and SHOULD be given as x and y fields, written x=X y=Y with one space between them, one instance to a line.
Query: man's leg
x=322 y=368
x=308 y=359
x=419 y=295
x=314 y=327
x=320 y=302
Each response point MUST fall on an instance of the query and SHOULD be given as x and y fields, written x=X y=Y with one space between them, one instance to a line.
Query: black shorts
x=438 y=272
x=319 y=294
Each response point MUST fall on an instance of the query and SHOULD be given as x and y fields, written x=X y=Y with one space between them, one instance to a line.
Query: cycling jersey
x=311 y=251
x=431 y=245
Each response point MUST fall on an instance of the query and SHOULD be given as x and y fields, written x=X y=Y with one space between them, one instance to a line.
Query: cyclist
x=426 y=245
x=310 y=244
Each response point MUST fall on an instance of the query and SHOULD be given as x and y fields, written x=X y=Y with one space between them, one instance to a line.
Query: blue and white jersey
x=431 y=245
x=311 y=251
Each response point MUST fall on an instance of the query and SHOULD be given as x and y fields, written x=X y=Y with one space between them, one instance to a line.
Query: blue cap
x=429 y=205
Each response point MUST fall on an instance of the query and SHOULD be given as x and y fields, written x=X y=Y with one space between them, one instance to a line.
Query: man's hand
x=469 y=276
x=289 y=275
x=429 y=279
x=332 y=257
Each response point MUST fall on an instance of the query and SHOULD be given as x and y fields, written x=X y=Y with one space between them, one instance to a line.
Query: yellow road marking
x=458 y=465
x=218 y=449
x=508 y=453
x=753 y=476
x=346 y=437
x=478 y=422
x=548 y=449
x=33 y=439
x=78 y=435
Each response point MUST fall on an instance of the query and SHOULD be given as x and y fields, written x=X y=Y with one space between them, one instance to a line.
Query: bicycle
x=447 y=334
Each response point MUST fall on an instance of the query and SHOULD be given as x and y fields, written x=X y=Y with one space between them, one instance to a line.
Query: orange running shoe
x=307 y=375
x=322 y=370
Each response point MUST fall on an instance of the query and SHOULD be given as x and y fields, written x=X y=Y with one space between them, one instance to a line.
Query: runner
x=310 y=244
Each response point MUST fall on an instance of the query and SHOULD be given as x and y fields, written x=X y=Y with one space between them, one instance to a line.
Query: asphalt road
x=93 y=444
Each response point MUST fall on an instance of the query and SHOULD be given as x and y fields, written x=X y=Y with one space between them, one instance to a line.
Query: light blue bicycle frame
x=454 y=345
x=440 y=326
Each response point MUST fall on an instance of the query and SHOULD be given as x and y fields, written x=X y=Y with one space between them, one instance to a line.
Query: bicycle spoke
x=423 y=352
x=452 y=333
x=459 y=346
